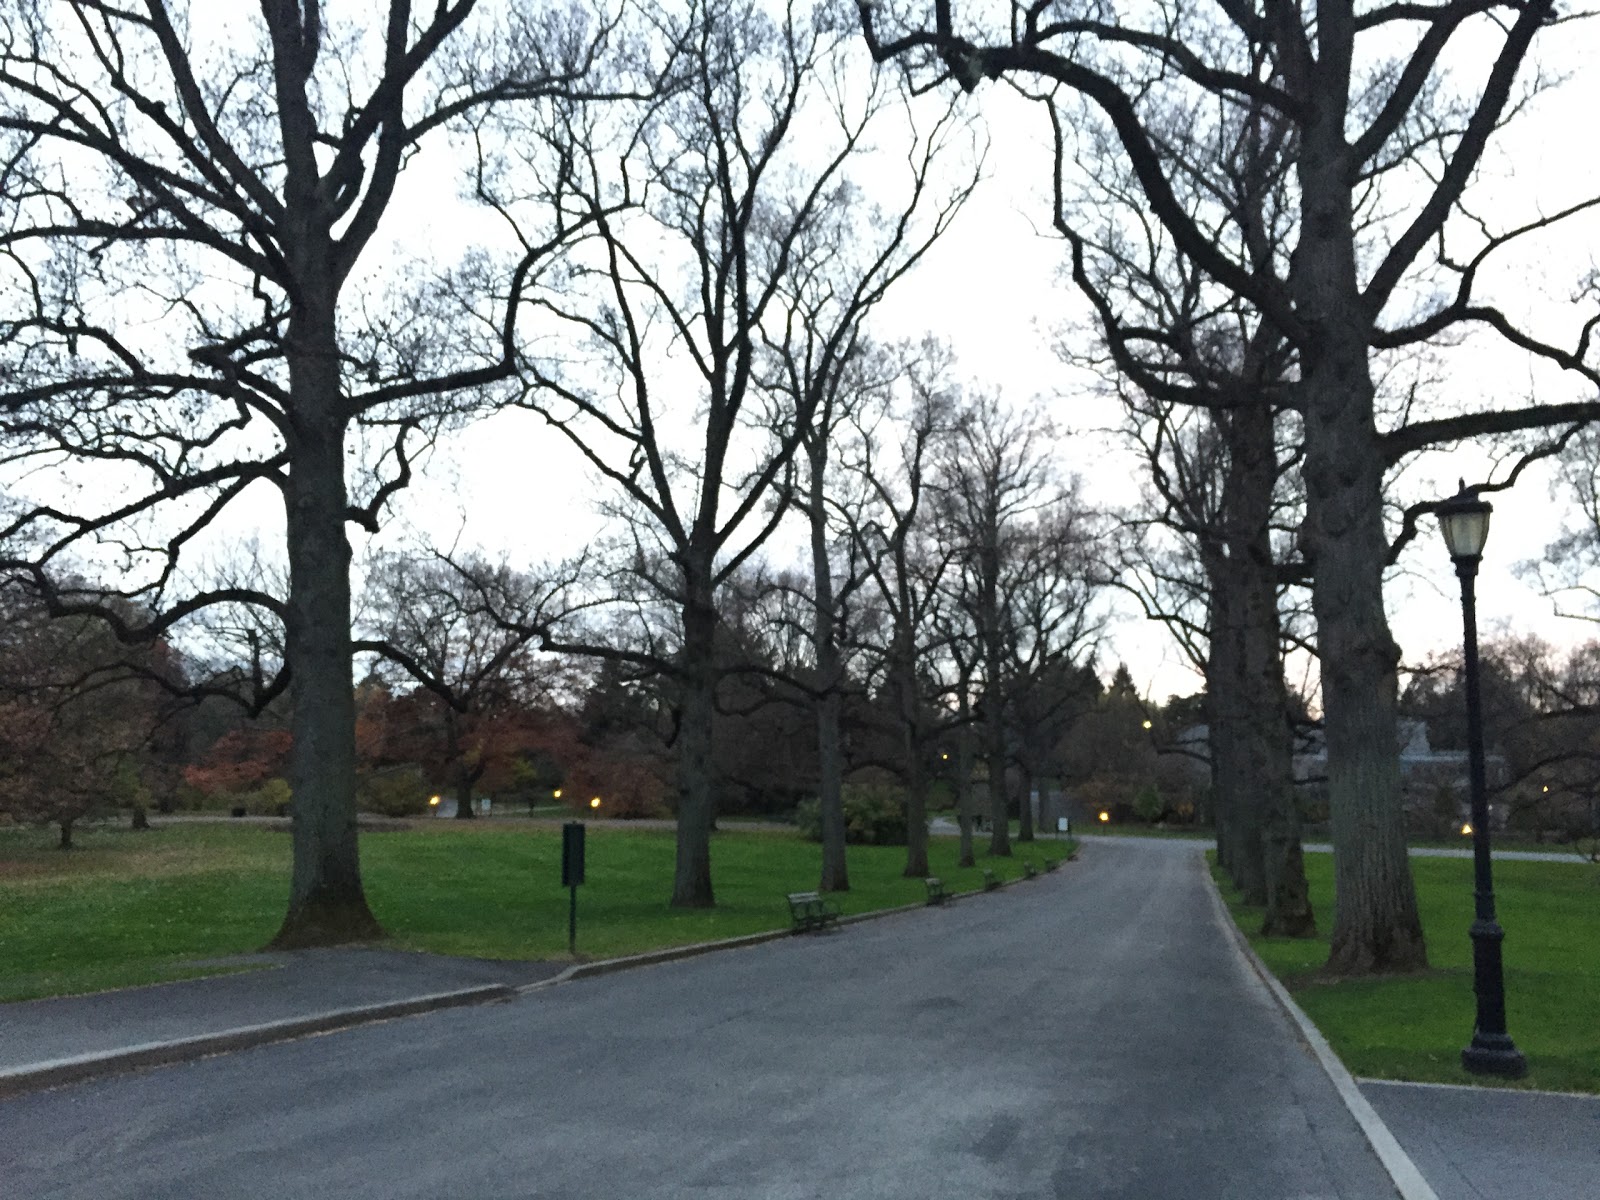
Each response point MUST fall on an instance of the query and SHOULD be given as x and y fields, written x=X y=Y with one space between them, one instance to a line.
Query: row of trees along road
x=1364 y=108
x=208 y=302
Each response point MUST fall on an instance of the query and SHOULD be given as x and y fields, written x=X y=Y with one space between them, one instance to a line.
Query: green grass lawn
x=131 y=908
x=1413 y=1027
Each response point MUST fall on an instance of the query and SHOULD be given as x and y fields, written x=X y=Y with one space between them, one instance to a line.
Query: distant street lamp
x=1464 y=521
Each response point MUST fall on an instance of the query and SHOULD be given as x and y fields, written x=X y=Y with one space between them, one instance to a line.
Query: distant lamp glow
x=1147 y=724
x=595 y=803
x=1546 y=788
x=1466 y=830
x=556 y=794
x=433 y=800
x=1105 y=816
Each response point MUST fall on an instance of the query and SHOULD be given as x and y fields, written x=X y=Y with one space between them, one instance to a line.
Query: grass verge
x=1413 y=1027
x=133 y=908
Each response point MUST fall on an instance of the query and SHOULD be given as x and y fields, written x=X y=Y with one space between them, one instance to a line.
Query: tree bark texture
x=691 y=880
x=964 y=786
x=327 y=905
x=458 y=766
x=1226 y=705
x=1025 y=804
x=830 y=757
x=830 y=795
x=914 y=770
x=994 y=753
x=1251 y=737
x=1376 y=924
x=1265 y=740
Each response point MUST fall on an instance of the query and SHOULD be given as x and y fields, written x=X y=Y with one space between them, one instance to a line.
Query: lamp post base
x=1494 y=1054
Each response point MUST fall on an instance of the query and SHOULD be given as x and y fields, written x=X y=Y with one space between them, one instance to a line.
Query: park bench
x=810 y=911
x=1029 y=871
x=989 y=881
x=936 y=890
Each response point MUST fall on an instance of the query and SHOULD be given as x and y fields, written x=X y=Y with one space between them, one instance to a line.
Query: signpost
x=572 y=876
x=1062 y=826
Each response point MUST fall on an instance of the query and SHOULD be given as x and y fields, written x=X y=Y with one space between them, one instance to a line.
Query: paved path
x=1089 y=1034
x=1566 y=856
x=1494 y=1144
x=293 y=986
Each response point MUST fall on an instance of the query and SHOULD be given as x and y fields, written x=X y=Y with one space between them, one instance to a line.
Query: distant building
x=1435 y=782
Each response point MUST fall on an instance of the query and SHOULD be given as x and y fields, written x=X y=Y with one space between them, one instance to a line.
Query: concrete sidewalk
x=292 y=994
x=1493 y=1143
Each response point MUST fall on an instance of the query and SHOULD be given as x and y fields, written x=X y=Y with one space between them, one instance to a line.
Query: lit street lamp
x=1464 y=521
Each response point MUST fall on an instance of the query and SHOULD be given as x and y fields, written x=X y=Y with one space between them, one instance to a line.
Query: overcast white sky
x=991 y=289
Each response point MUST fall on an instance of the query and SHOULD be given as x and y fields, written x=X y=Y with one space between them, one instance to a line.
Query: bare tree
x=1052 y=625
x=200 y=310
x=443 y=624
x=1362 y=112
x=994 y=482
x=747 y=232
x=77 y=711
x=907 y=564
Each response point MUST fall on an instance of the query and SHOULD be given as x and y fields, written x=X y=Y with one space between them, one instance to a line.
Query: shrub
x=629 y=788
x=874 y=815
x=1148 y=805
x=271 y=799
x=393 y=791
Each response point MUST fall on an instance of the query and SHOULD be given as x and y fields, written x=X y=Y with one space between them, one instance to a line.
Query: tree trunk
x=141 y=818
x=830 y=795
x=830 y=758
x=1263 y=739
x=994 y=736
x=691 y=880
x=1025 y=804
x=964 y=787
x=459 y=769
x=909 y=696
x=327 y=905
x=1376 y=924
x=1228 y=716
x=1266 y=742
x=916 y=807
x=66 y=835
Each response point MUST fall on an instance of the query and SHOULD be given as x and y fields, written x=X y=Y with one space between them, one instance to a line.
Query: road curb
x=35 y=1076
x=55 y=1072
x=651 y=957
x=1407 y=1179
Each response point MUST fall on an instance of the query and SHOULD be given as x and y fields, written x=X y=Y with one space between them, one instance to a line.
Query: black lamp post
x=1464 y=521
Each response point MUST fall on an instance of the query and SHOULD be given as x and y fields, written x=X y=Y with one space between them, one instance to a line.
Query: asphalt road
x=1088 y=1034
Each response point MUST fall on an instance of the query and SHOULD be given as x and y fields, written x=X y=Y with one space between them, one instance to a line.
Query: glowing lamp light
x=1147 y=724
x=595 y=803
x=556 y=794
x=1464 y=522
x=946 y=758
x=1466 y=830
x=1545 y=788
x=1105 y=816
x=433 y=800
